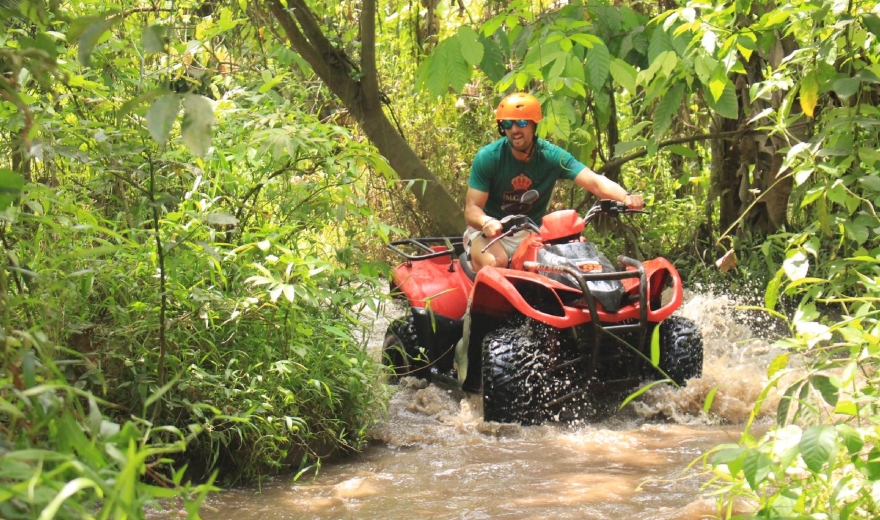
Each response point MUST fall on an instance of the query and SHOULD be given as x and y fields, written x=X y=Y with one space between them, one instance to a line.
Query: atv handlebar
x=513 y=224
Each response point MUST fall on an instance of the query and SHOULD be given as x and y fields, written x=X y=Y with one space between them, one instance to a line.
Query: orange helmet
x=519 y=106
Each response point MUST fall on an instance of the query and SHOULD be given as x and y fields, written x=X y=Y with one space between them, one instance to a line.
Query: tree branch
x=297 y=39
x=617 y=163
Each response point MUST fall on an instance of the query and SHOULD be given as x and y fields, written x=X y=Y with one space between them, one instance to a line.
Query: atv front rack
x=583 y=278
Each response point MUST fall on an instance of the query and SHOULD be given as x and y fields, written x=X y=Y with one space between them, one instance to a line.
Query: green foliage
x=63 y=456
x=199 y=310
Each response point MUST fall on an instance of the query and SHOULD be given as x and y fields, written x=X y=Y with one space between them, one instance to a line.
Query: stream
x=434 y=457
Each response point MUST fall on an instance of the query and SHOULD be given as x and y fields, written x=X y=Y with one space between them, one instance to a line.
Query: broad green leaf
x=667 y=109
x=598 y=66
x=756 y=467
x=446 y=67
x=154 y=38
x=682 y=150
x=872 y=465
x=161 y=116
x=624 y=74
x=727 y=106
x=817 y=444
x=624 y=146
x=471 y=48
x=826 y=388
x=857 y=232
x=787 y=403
x=11 y=185
x=660 y=42
x=587 y=40
x=771 y=295
x=809 y=93
x=872 y=182
x=492 y=64
x=198 y=117
x=846 y=87
x=872 y=22
x=852 y=439
x=91 y=36
x=669 y=64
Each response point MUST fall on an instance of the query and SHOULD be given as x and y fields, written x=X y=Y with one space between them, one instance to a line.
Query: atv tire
x=400 y=351
x=521 y=373
x=681 y=349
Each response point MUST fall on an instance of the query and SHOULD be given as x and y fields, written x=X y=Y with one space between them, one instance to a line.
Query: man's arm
x=605 y=188
x=475 y=201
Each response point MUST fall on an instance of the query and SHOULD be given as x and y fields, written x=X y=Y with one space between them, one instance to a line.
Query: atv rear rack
x=598 y=329
x=428 y=247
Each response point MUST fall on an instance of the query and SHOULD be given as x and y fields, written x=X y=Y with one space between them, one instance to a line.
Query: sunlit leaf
x=780 y=362
x=809 y=93
x=221 y=218
x=718 y=82
x=709 y=41
x=624 y=74
x=796 y=266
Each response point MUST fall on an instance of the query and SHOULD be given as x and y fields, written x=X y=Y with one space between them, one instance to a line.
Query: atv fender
x=435 y=284
x=498 y=292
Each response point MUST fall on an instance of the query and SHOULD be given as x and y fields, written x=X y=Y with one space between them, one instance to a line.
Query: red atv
x=549 y=336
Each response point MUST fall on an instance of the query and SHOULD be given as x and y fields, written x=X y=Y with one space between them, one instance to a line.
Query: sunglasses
x=507 y=124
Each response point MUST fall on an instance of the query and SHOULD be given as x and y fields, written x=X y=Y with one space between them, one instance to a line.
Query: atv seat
x=466 y=266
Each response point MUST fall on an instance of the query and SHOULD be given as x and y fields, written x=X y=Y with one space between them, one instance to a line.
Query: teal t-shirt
x=496 y=172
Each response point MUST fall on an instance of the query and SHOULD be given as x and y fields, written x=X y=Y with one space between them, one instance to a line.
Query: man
x=516 y=175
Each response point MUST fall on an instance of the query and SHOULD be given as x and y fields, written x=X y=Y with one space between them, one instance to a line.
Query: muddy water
x=434 y=457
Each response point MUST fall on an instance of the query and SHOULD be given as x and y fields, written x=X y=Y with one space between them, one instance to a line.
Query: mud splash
x=434 y=455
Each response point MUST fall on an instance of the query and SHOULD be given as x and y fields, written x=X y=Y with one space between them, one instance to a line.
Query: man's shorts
x=509 y=243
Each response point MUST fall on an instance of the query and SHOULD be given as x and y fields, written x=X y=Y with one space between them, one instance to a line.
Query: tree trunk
x=362 y=99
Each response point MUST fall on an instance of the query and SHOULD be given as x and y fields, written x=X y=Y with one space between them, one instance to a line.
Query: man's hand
x=634 y=201
x=491 y=227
